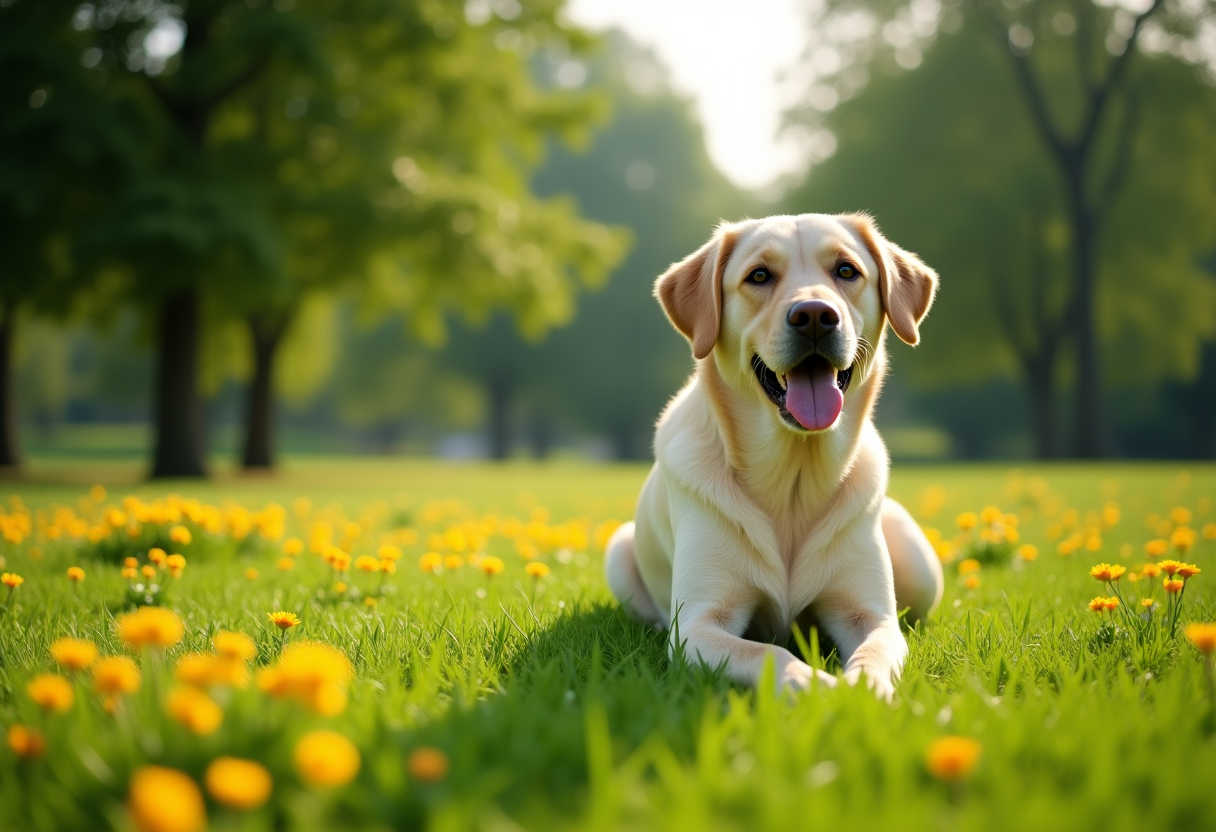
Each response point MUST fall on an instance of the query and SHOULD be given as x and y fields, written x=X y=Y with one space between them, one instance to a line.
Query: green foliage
x=557 y=712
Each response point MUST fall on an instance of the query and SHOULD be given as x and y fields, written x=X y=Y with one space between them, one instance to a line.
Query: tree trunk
x=266 y=335
x=500 y=418
x=10 y=454
x=179 y=410
x=1043 y=405
x=1090 y=425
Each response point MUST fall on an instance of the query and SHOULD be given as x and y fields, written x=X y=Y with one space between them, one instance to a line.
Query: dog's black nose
x=814 y=318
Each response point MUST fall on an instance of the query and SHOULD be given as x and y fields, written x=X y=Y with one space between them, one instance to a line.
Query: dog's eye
x=847 y=271
x=760 y=275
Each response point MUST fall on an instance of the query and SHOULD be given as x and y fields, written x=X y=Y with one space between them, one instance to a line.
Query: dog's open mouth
x=810 y=395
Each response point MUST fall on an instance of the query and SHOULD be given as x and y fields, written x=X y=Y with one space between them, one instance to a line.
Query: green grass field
x=552 y=710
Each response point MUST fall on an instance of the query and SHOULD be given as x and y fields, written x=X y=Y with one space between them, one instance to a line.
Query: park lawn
x=554 y=711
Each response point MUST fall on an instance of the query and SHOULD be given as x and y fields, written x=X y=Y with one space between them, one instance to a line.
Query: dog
x=766 y=507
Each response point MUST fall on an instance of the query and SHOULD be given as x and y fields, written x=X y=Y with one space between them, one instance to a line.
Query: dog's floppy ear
x=906 y=284
x=691 y=291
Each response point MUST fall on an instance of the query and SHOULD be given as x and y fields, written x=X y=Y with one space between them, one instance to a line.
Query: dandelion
x=293 y=546
x=285 y=564
x=130 y=573
x=972 y=582
x=284 y=620
x=430 y=562
x=326 y=758
x=492 y=565
x=370 y=602
x=1173 y=585
x=165 y=800
x=176 y=564
x=238 y=784
x=340 y=587
x=149 y=572
x=130 y=563
x=150 y=627
x=1156 y=548
x=1209 y=531
x=1027 y=552
x=1151 y=570
x=51 y=692
x=206 y=669
x=234 y=645
x=966 y=521
x=1188 y=570
x=1183 y=540
x=536 y=569
x=1180 y=515
x=115 y=675
x=453 y=562
x=75 y=574
x=25 y=742
x=1148 y=603
x=73 y=653
x=952 y=758
x=180 y=535
x=251 y=574
x=1203 y=636
x=194 y=709
x=367 y=563
x=1107 y=572
x=312 y=673
x=157 y=556
x=11 y=580
x=1101 y=604
x=427 y=764
x=388 y=552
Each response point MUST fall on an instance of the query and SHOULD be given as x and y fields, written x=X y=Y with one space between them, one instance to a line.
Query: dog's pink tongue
x=811 y=394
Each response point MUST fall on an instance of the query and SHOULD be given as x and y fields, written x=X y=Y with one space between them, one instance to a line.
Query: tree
x=1000 y=216
x=609 y=371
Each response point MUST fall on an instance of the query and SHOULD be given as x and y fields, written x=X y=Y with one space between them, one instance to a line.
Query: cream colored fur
x=747 y=525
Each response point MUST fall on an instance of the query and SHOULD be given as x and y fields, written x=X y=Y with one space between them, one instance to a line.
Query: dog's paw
x=881 y=684
x=799 y=676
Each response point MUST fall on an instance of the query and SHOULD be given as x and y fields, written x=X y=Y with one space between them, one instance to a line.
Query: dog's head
x=795 y=307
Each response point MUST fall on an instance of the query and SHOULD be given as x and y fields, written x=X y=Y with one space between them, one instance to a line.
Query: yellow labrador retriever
x=767 y=502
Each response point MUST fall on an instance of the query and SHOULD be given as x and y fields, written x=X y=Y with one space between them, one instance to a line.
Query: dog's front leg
x=859 y=616
x=712 y=609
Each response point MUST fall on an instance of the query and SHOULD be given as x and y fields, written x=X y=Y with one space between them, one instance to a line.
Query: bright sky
x=727 y=55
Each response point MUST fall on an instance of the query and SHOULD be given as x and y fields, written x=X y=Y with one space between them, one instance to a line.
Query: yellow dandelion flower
x=130 y=563
x=1181 y=516
x=180 y=535
x=151 y=627
x=293 y=546
x=283 y=620
x=388 y=566
x=536 y=569
x=968 y=566
x=1203 y=636
x=492 y=565
x=1169 y=567
x=326 y=758
x=238 y=784
x=991 y=514
x=453 y=562
x=1156 y=548
x=367 y=563
x=972 y=582
x=234 y=645
x=98 y=493
x=370 y=601
x=251 y=574
x=11 y=580
x=1147 y=603
x=1173 y=586
x=311 y=672
x=165 y=800
x=285 y=564
x=1209 y=531
x=1188 y=570
x=26 y=742
x=149 y=572
x=427 y=764
x=1111 y=604
x=115 y=675
x=157 y=556
x=1107 y=572
x=966 y=521
x=51 y=692
x=340 y=587
x=430 y=562
x=194 y=709
x=1027 y=552
x=1151 y=570
x=75 y=574
x=176 y=562
x=952 y=758
x=73 y=653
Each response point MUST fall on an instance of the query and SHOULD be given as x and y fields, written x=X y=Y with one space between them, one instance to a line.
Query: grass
x=555 y=711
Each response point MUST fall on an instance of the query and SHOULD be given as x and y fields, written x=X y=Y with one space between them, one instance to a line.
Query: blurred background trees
x=431 y=227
